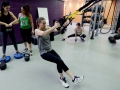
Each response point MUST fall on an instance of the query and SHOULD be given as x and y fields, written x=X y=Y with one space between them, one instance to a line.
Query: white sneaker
x=25 y=50
x=64 y=82
x=78 y=79
x=31 y=52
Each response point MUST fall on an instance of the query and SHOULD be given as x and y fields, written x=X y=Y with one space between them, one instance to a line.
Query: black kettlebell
x=27 y=57
x=111 y=39
x=3 y=66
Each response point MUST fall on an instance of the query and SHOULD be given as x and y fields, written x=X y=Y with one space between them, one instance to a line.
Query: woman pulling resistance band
x=48 y=54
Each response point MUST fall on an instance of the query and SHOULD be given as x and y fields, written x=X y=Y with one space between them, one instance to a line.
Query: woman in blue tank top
x=48 y=54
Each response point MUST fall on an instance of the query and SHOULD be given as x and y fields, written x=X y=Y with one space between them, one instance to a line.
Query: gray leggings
x=4 y=40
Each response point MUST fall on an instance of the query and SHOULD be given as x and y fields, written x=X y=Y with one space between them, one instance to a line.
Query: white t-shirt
x=79 y=31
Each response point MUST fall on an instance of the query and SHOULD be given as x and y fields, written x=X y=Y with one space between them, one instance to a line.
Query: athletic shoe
x=25 y=50
x=17 y=52
x=78 y=79
x=75 y=40
x=82 y=39
x=31 y=52
x=3 y=59
x=63 y=39
x=64 y=82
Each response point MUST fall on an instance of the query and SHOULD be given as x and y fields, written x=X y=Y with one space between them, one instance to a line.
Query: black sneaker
x=63 y=39
x=78 y=79
x=64 y=82
x=31 y=52
x=17 y=52
x=3 y=59
x=25 y=50
x=82 y=39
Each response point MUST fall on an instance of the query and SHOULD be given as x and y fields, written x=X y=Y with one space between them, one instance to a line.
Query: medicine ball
x=3 y=66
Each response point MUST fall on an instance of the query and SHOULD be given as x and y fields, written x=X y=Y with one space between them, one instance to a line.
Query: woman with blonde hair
x=48 y=54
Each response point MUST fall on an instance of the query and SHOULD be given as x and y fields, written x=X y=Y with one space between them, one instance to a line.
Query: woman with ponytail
x=48 y=54
x=26 y=23
x=7 y=26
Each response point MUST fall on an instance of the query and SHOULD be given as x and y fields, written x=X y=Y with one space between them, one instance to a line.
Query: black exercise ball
x=3 y=66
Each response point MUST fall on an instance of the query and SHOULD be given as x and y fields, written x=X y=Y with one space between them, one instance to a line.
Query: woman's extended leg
x=72 y=35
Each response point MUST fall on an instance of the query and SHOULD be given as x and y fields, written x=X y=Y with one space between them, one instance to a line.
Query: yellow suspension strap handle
x=70 y=17
x=84 y=7
x=81 y=8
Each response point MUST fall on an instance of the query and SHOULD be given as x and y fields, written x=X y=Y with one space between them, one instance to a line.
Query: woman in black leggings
x=26 y=27
x=79 y=31
x=48 y=54
x=6 y=26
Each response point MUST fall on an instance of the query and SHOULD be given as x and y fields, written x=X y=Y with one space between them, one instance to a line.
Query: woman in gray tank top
x=48 y=54
x=78 y=32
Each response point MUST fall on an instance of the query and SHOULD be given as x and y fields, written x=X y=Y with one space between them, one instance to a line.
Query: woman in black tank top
x=6 y=26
